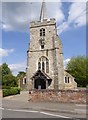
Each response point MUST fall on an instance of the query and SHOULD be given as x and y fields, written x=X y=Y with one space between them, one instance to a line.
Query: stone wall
x=52 y=51
x=72 y=96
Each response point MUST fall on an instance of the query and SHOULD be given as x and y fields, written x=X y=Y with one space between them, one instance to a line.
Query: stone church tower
x=45 y=68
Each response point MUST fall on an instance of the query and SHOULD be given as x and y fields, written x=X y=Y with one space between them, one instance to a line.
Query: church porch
x=40 y=80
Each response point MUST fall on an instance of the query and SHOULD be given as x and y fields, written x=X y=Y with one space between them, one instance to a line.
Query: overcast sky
x=15 y=22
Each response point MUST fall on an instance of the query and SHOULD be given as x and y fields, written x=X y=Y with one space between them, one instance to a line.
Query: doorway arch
x=39 y=83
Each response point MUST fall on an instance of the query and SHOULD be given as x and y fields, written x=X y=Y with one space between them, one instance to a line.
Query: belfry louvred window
x=42 y=32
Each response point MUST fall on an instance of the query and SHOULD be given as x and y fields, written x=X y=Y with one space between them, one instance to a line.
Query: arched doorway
x=40 y=80
x=39 y=83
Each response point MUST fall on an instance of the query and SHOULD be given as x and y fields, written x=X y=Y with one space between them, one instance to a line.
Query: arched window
x=39 y=65
x=24 y=81
x=47 y=66
x=65 y=79
x=68 y=79
x=42 y=32
x=42 y=46
x=43 y=66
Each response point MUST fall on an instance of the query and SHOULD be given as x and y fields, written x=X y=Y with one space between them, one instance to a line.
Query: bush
x=14 y=90
x=5 y=92
x=11 y=91
x=6 y=87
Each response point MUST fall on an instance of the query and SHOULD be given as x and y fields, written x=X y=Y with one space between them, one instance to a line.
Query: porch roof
x=40 y=73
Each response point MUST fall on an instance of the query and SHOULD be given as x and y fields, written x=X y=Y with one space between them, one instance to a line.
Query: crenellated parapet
x=44 y=23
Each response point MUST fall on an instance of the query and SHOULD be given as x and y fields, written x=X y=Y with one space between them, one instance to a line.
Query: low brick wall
x=71 y=96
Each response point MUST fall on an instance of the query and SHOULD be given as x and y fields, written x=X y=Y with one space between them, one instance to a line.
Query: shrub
x=11 y=91
x=18 y=90
x=5 y=92
x=15 y=90
x=6 y=87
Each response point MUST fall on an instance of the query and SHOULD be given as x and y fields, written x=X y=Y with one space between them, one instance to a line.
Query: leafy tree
x=5 y=69
x=9 y=80
x=7 y=77
x=77 y=68
x=21 y=74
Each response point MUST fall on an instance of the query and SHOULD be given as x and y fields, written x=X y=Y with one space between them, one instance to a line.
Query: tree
x=9 y=80
x=7 y=77
x=5 y=69
x=77 y=68
x=20 y=75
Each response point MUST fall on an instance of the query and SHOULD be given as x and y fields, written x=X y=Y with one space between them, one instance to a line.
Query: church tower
x=45 y=68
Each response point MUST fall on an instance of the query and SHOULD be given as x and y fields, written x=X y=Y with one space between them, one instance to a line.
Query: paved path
x=21 y=102
x=23 y=96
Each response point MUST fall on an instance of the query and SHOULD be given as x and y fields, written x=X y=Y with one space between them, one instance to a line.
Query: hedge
x=11 y=91
x=6 y=87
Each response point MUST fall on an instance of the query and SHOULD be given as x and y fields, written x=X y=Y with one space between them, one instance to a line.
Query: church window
x=46 y=52
x=42 y=32
x=42 y=46
x=65 y=79
x=43 y=66
x=47 y=66
x=24 y=81
x=39 y=65
x=68 y=79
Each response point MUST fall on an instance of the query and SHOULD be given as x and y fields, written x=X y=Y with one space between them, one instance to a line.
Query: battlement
x=45 y=22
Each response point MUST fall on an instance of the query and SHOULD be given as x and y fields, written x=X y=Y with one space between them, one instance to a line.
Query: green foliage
x=11 y=91
x=6 y=87
x=20 y=75
x=77 y=68
x=5 y=69
x=5 y=92
x=9 y=80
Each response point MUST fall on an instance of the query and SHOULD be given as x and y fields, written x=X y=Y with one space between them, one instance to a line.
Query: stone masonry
x=52 y=46
x=63 y=96
x=45 y=54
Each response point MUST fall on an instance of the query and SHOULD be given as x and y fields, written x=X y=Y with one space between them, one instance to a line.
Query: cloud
x=5 y=52
x=56 y=11
x=66 y=62
x=63 y=27
x=45 y=0
x=16 y=16
x=15 y=68
x=76 y=17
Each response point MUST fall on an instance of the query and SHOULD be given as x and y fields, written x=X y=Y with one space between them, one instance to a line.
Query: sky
x=15 y=29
